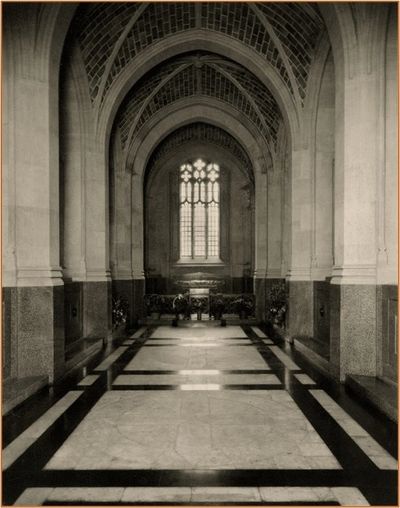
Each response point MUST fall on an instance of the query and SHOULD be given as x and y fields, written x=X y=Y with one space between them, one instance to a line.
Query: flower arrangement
x=243 y=306
x=276 y=304
x=154 y=304
x=180 y=305
x=120 y=308
x=217 y=306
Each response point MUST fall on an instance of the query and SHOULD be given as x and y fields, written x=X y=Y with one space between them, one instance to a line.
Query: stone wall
x=162 y=264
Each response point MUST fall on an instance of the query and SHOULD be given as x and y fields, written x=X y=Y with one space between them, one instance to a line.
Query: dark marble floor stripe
x=209 y=478
x=179 y=387
x=39 y=453
x=342 y=446
x=23 y=416
x=222 y=503
x=198 y=339
x=380 y=427
x=174 y=372
x=212 y=345
x=378 y=486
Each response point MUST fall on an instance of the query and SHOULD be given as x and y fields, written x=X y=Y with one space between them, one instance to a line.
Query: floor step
x=16 y=390
x=318 y=361
x=381 y=395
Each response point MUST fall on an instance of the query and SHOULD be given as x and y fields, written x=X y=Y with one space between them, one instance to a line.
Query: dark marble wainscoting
x=353 y=346
x=87 y=313
x=259 y=290
x=138 y=300
x=299 y=317
x=10 y=333
x=387 y=331
x=321 y=297
x=240 y=284
x=334 y=330
x=33 y=331
x=157 y=285
x=73 y=295
x=96 y=309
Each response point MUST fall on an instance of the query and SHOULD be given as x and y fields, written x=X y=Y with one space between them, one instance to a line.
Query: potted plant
x=217 y=306
x=119 y=313
x=197 y=307
x=154 y=306
x=276 y=305
x=180 y=305
x=243 y=306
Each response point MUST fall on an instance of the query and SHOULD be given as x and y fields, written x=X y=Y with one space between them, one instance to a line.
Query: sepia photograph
x=199 y=253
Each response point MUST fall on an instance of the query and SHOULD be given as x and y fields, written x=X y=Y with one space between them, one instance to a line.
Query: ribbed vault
x=200 y=75
x=200 y=132
x=111 y=35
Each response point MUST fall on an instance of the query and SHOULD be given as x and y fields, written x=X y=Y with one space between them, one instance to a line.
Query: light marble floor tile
x=284 y=358
x=156 y=495
x=210 y=332
x=304 y=379
x=34 y=496
x=88 y=380
x=210 y=344
x=192 y=430
x=180 y=379
x=258 y=332
x=177 y=358
x=128 y=342
x=160 y=379
x=384 y=461
x=89 y=494
x=250 y=379
x=367 y=443
x=17 y=447
x=324 y=462
x=194 y=340
x=225 y=495
x=268 y=342
x=208 y=387
x=349 y=496
x=293 y=494
x=200 y=372
x=105 y=364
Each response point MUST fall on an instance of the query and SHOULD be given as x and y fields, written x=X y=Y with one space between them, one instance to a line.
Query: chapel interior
x=199 y=253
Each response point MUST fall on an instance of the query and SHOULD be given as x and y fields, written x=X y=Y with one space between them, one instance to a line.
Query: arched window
x=199 y=211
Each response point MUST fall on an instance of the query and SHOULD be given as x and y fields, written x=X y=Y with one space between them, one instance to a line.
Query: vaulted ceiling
x=199 y=75
x=112 y=35
x=202 y=132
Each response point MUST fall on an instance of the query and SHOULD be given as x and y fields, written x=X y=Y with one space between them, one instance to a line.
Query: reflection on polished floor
x=200 y=416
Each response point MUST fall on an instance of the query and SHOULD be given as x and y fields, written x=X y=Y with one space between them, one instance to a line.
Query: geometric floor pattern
x=198 y=415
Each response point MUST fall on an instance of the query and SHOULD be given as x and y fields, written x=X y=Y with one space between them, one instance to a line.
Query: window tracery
x=199 y=211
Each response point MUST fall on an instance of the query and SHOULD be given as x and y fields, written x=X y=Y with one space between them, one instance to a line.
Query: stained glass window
x=199 y=210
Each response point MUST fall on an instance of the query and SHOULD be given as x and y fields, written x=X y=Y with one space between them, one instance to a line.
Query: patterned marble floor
x=198 y=416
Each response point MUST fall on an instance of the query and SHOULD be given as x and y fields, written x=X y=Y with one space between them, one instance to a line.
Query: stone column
x=359 y=160
x=274 y=256
x=33 y=279
x=137 y=247
x=300 y=311
x=122 y=226
x=261 y=236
